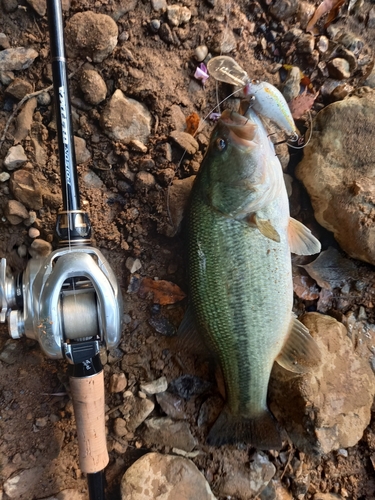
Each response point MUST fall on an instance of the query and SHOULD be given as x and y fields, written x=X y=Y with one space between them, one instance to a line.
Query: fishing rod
x=69 y=301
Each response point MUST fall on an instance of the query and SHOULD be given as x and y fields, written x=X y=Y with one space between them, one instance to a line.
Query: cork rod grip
x=88 y=404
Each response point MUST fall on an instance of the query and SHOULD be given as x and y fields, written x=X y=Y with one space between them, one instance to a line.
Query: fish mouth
x=242 y=130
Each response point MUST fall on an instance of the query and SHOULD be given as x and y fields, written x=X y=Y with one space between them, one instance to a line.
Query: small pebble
x=323 y=44
x=133 y=265
x=44 y=99
x=155 y=387
x=22 y=251
x=200 y=53
x=34 y=232
x=40 y=248
x=117 y=383
x=15 y=157
x=4 y=176
x=155 y=25
x=339 y=68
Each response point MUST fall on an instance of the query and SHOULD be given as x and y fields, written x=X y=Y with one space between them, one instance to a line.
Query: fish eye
x=221 y=144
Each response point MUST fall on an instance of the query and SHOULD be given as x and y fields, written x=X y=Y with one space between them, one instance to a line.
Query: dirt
x=37 y=423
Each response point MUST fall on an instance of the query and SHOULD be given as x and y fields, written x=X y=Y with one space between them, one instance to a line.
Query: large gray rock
x=125 y=119
x=330 y=407
x=338 y=172
x=90 y=34
x=22 y=482
x=16 y=59
x=165 y=477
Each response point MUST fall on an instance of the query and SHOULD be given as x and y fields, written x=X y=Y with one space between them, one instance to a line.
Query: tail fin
x=262 y=432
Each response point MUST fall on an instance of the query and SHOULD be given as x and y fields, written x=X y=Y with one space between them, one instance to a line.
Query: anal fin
x=301 y=239
x=300 y=352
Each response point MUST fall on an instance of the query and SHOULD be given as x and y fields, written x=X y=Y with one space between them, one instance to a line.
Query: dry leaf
x=192 y=123
x=331 y=6
x=163 y=292
x=331 y=270
x=301 y=104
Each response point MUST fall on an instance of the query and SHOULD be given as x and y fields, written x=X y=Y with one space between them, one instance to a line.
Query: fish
x=239 y=241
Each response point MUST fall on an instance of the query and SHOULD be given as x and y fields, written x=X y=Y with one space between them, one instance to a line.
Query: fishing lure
x=268 y=100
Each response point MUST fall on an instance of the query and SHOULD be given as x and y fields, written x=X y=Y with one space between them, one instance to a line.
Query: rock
x=4 y=41
x=119 y=427
x=69 y=494
x=44 y=99
x=291 y=87
x=224 y=42
x=17 y=59
x=25 y=119
x=34 y=233
x=144 y=181
x=283 y=9
x=306 y=44
x=125 y=119
x=275 y=491
x=40 y=6
x=165 y=432
x=166 y=34
x=22 y=482
x=159 y=5
x=330 y=407
x=338 y=174
x=88 y=34
x=304 y=13
x=172 y=405
x=82 y=153
x=176 y=477
x=178 y=14
x=9 y=353
x=93 y=86
x=19 y=88
x=15 y=212
x=133 y=265
x=322 y=44
x=155 y=25
x=209 y=411
x=136 y=145
x=155 y=387
x=185 y=141
x=15 y=157
x=26 y=189
x=371 y=18
x=118 y=382
x=92 y=180
x=178 y=197
x=4 y=176
x=247 y=482
x=339 y=68
x=10 y=5
x=135 y=411
x=201 y=52
x=40 y=248
x=327 y=496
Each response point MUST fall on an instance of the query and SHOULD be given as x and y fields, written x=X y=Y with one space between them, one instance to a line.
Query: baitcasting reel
x=69 y=302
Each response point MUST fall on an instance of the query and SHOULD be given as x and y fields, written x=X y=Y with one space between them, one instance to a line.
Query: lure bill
x=268 y=100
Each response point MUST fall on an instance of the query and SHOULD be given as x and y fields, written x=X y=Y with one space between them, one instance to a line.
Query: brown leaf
x=301 y=104
x=331 y=6
x=163 y=292
x=192 y=123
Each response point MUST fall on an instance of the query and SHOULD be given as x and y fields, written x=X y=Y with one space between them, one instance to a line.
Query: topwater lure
x=267 y=100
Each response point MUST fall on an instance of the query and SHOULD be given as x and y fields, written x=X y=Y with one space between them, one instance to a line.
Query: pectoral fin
x=301 y=239
x=264 y=226
x=300 y=353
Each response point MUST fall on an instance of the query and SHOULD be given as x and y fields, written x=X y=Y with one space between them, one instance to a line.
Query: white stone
x=164 y=477
x=155 y=387
x=15 y=157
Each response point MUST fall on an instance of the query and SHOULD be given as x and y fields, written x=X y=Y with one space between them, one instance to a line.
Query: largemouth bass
x=240 y=239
